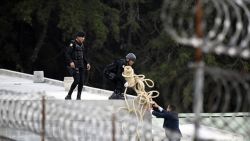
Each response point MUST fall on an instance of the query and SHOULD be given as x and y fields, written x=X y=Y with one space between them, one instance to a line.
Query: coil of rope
x=144 y=99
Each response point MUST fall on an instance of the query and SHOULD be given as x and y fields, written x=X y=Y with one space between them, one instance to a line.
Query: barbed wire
x=226 y=25
x=69 y=120
x=226 y=99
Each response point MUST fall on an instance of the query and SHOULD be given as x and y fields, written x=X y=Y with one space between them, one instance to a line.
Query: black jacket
x=76 y=53
x=171 y=120
x=114 y=70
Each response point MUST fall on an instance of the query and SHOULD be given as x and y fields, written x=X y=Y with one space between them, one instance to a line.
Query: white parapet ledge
x=56 y=82
x=236 y=114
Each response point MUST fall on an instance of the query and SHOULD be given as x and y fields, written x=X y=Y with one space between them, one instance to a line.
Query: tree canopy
x=34 y=34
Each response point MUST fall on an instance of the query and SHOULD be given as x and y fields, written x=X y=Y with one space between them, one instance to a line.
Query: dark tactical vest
x=78 y=52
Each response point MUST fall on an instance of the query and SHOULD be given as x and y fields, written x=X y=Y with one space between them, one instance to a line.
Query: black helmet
x=80 y=34
x=131 y=56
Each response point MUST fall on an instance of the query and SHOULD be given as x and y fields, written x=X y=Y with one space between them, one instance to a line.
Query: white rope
x=144 y=99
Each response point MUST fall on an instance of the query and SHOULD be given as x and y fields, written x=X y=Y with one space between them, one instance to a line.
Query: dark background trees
x=34 y=34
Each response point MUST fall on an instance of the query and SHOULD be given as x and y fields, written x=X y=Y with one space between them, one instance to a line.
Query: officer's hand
x=72 y=65
x=154 y=104
x=88 y=66
x=126 y=84
x=112 y=76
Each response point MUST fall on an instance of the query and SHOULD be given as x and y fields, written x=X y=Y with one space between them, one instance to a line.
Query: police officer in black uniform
x=114 y=71
x=76 y=63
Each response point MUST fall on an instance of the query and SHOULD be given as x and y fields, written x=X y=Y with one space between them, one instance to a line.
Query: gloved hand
x=112 y=76
x=126 y=84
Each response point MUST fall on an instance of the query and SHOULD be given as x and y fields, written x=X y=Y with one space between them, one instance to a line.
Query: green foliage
x=210 y=60
x=71 y=16
x=113 y=28
x=113 y=22
x=29 y=9
x=25 y=9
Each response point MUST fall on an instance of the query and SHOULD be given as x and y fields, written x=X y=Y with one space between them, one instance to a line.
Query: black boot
x=79 y=92
x=72 y=87
x=117 y=95
x=113 y=96
x=78 y=97
x=120 y=96
x=68 y=97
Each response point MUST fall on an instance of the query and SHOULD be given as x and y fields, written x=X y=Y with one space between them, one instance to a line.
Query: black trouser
x=78 y=75
x=119 y=86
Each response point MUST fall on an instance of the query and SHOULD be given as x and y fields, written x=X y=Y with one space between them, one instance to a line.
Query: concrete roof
x=20 y=82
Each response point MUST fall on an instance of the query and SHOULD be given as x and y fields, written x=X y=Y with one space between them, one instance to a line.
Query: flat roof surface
x=10 y=80
x=58 y=92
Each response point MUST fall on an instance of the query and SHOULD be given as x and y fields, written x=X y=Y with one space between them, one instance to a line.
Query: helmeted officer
x=77 y=61
x=114 y=71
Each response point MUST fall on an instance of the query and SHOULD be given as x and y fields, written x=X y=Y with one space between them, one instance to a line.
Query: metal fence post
x=113 y=127
x=199 y=70
x=43 y=119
